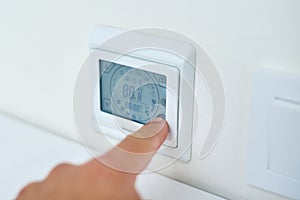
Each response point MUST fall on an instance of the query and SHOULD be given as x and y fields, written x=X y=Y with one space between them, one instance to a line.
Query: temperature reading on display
x=132 y=93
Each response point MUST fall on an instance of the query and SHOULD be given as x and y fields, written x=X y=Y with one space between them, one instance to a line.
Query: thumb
x=134 y=153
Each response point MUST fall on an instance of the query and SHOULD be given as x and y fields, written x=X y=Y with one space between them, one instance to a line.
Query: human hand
x=110 y=176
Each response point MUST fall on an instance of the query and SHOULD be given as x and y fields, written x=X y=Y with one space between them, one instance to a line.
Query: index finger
x=134 y=153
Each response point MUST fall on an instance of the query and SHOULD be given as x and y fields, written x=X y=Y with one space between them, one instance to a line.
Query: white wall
x=44 y=43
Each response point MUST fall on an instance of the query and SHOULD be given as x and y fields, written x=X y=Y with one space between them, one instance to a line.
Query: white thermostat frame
x=174 y=57
x=121 y=126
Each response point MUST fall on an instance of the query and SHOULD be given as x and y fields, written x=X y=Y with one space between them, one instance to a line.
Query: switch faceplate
x=274 y=133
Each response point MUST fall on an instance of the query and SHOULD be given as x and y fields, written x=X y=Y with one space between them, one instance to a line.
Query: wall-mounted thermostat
x=139 y=77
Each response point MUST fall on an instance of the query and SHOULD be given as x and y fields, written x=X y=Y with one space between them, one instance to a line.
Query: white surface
x=143 y=44
x=28 y=153
x=43 y=44
x=274 y=133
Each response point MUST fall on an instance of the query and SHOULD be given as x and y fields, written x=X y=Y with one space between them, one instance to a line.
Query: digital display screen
x=132 y=93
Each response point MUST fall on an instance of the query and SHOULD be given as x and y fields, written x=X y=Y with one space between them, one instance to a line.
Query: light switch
x=273 y=150
x=284 y=138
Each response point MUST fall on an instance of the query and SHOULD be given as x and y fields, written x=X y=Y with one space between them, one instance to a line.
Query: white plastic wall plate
x=274 y=133
x=179 y=68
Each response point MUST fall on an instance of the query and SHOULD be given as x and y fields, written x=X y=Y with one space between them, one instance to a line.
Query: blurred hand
x=115 y=179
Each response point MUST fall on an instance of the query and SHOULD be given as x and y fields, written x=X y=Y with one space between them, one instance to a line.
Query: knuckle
x=61 y=167
x=28 y=189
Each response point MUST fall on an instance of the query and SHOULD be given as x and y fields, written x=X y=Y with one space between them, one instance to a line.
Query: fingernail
x=157 y=120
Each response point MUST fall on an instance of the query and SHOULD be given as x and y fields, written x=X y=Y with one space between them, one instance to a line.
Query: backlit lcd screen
x=132 y=93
